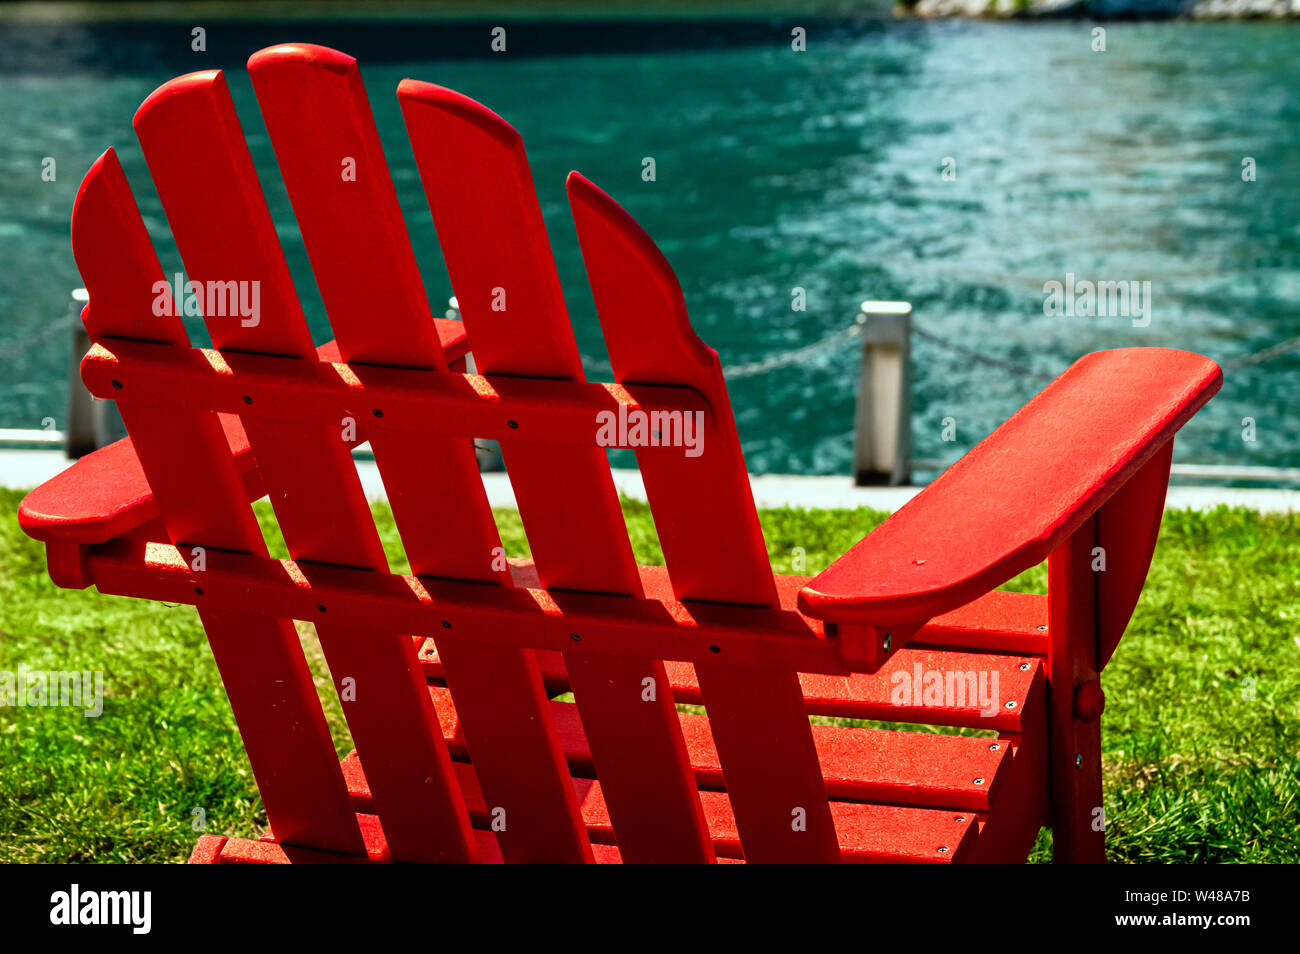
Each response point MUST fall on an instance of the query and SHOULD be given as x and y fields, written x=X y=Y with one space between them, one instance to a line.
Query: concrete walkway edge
x=24 y=469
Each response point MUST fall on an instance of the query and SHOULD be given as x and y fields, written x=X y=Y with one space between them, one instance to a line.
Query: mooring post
x=883 y=428
x=487 y=452
x=86 y=428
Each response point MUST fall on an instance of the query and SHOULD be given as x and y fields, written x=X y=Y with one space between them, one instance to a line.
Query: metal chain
x=770 y=363
x=1267 y=354
x=980 y=357
x=798 y=355
x=783 y=359
x=48 y=331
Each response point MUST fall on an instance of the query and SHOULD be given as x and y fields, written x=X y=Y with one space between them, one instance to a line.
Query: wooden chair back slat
x=490 y=227
x=204 y=174
x=319 y=119
x=201 y=500
x=704 y=511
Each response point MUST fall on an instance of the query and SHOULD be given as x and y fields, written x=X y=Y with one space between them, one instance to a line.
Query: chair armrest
x=1018 y=494
x=105 y=494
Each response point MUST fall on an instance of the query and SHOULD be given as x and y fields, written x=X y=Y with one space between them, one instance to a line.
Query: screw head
x=1024 y=667
x=960 y=818
x=885 y=643
x=1042 y=629
x=996 y=746
x=943 y=849
x=1078 y=760
x=1011 y=704
x=979 y=781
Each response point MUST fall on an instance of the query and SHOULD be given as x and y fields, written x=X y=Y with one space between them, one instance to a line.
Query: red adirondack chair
x=448 y=676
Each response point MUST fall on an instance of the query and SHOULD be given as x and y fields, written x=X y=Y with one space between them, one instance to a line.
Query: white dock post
x=487 y=452
x=86 y=429
x=883 y=427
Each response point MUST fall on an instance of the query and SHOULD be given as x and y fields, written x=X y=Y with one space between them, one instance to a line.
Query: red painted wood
x=867 y=832
x=200 y=164
x=863 y=696
x=244 y=851
x=316 y=111
x=106 y=493
x=1128 y=525
x=211 y=430
x=490 y=227
x=207 y=850
x=911 y=768
x=1105 y=417
x=1074 y=744
x=504 y=616
x=202 y=499
x=411 y=401
x=533 y=619
x=708 y=528
x=1007 y=834
x=650 y=341
x=1009 y=623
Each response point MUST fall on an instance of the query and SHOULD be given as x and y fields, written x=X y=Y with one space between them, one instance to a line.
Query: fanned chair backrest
x=476 y=176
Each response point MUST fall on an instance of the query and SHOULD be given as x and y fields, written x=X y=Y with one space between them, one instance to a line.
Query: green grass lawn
x=1201 y=731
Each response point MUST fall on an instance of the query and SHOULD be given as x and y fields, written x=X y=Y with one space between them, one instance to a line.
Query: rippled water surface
x=819 y=170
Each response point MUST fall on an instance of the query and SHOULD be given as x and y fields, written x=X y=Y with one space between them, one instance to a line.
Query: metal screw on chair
x=943 y=849
x=1078 y=760
x=960 y=818
x=979 y=781
x=885 y=644
x=1042 y=629
x=1011 y=704
x=995 y=746
x=1024 y=667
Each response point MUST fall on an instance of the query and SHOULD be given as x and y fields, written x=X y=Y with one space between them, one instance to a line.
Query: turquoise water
x=775 y=170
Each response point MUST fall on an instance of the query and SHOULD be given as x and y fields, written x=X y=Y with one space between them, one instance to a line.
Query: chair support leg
x=1078 y=823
